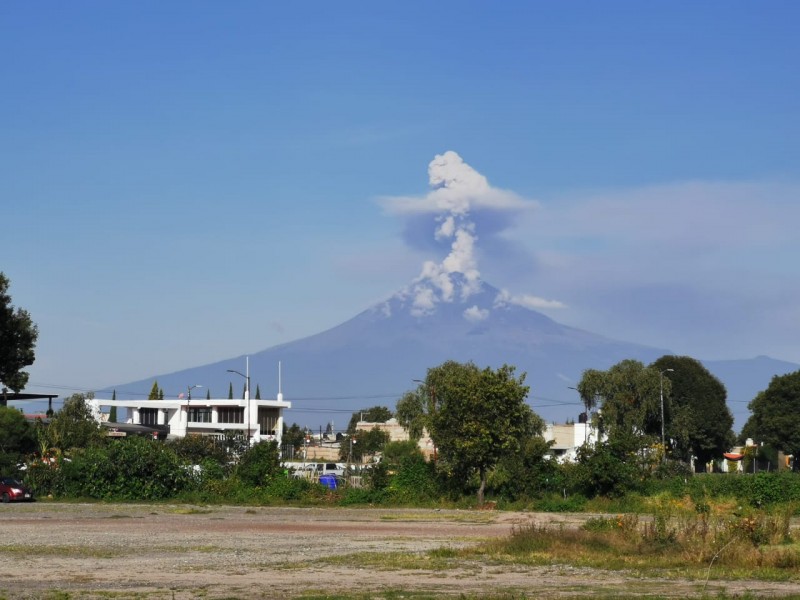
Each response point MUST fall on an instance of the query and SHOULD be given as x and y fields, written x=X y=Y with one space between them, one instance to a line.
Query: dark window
x=230 y=414
x=200 y=415
x=148 y=416
x=268 y=420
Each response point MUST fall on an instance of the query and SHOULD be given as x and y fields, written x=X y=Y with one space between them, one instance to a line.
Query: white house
x=568 y=438
x=259 y=420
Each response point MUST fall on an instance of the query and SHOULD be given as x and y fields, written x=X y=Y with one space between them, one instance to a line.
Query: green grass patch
x=62 y=551
x=477 y=517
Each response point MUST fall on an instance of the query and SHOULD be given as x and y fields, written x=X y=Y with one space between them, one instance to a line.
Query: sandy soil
x=181 y=552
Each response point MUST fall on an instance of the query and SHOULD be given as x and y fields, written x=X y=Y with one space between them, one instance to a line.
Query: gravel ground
x=59 y=551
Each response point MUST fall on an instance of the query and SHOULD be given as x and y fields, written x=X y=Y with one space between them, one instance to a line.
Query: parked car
x=12 y=490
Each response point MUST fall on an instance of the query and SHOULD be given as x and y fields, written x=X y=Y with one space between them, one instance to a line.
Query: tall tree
x=630 y=398
x=74 y=426
x=18 y=335
x=478 y=417
x=775 y=418
x=701 y=422
x=376 y=414
x=154 y=391
x=414 y=410
x=208 y=394
x=230 y=390
x=112 y=414
x=258 y=392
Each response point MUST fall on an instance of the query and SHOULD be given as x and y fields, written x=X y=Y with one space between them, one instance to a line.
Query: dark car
x=12 y=490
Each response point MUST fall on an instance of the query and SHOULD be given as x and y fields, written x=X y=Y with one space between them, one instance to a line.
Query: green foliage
x=196 y=449
x=16 y=439
x=560 y=503
x=395 y=452
x=775 y=418
x=72 y=427
x=362 y=444
x=377 y=477
x=414 y=480
x=356 y=496
x=18 y=335
x=259 y=464
x=132 y=468
x=414 y=410
x=699 y=422
x=154 y=392
x=606 y=469
x=293 y=436
x=479 y=416
x=112 y=415
x=630 y=399
x=376 y=414
x=527 y=473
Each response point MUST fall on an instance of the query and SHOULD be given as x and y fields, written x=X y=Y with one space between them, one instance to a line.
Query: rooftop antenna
x=280 y=393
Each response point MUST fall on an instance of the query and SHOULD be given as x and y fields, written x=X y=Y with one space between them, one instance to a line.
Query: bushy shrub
x=259 y=463
x=556 y=503
x=414 y=480
x=132 y=468
x=605 y=470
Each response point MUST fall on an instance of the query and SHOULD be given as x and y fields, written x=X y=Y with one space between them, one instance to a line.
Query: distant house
x=259 y=420
x=567 y=438
x=397 y=433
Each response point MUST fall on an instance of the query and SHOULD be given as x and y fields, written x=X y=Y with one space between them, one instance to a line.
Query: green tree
x=230 y=390
x=376 y=414
x=775 y=415
x=701 y=423
x=16 y=439
x=208 y=394
x=479 y=416
x=112 y=414
x=154 y=392
x=363 y=443
x=258 y=392
x=630 y=398
x=73 y=426
x=18 y=335
x=414 y=410
x=293 y=436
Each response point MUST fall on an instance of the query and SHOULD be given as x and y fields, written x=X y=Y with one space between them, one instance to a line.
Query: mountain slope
x=374 y=357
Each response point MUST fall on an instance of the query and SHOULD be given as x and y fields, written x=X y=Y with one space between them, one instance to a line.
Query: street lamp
x=661 y=385
x=586 y=416
x=246 y=393
x=189 y=389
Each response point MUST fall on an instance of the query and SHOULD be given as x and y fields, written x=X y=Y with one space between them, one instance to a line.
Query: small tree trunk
x=482 y=488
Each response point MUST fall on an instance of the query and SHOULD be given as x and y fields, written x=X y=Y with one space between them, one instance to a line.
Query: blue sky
x=189 y=181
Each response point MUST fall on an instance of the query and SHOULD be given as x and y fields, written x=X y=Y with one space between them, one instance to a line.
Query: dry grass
x=754 y=545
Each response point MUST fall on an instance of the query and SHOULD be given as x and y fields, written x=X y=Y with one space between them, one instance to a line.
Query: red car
x=12 y=490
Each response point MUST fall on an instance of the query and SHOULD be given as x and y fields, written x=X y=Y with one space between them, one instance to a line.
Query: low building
x=397 y=433
x=259 y=420
x=567 y=438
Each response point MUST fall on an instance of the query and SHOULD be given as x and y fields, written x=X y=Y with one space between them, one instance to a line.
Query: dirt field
x=60 y=551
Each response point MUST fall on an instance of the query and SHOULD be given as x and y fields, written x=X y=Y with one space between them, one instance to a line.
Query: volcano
x=375 y=357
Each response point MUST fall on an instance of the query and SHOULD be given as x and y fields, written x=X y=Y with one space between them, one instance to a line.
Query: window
x=148 y=416
x=230 y=414
x=200 y=415
x=268 y=420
